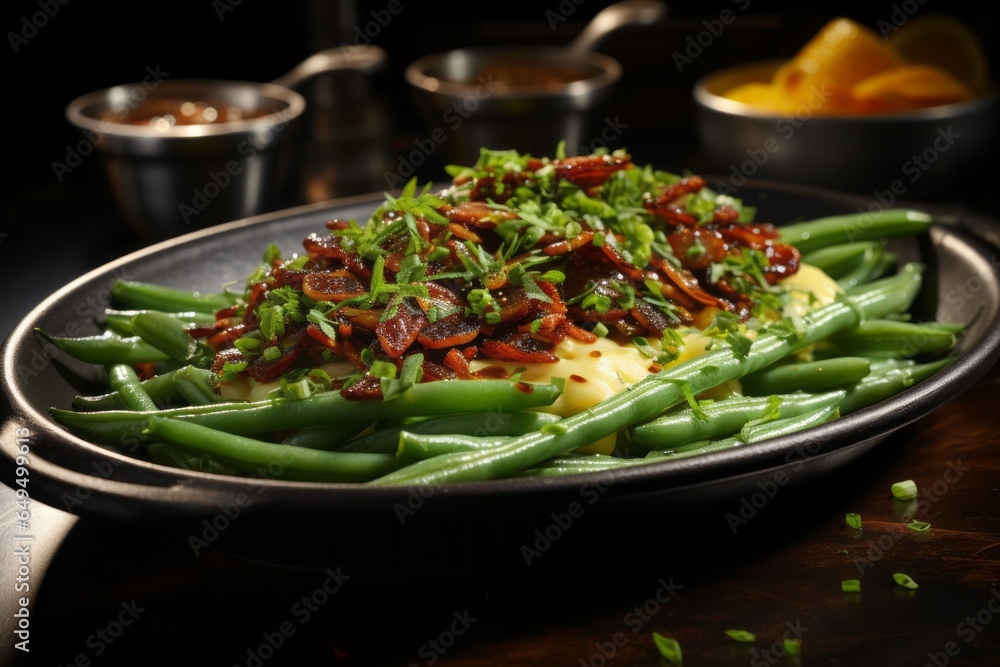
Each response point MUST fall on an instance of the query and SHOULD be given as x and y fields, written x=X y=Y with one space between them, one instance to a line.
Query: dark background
x=51 y=232
x=86 y=46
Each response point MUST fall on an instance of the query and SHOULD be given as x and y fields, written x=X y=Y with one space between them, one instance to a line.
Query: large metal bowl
x=890 y=156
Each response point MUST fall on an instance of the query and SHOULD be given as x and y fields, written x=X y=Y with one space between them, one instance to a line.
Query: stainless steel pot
x=175 y=178
x=526 y=98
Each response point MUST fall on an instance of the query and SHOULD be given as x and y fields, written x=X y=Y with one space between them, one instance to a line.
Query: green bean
x=865 y=271
x=281 y=461
x=120 y=321
x=721 y=418
x=495 y=423
x=837 y=260
x=882 y=385
x=578 y=465
x=809 y=376
x=160 y=388
x=196 y=385
x=144 y=296
x=107 y=349
x=170 y=456
x=869 y=226
x=889 y=338
x=416 y=447
x=885 y=265
x=114 y=427
x=123 y=379
x=332 y=436
x=166 y=333
x=186 y=458
x=759 y=433
x=122 y=427
x=657 y=392
x=568 y=465
x=880 y=366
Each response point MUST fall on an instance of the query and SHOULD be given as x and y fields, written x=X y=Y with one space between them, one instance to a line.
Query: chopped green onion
x=904 y=580
x=919 y=526
x=793 y=647
x=669 y=648
x=742 y=636
x=851 y=585
x=246 y=345
x=600 y=330
x=853 y=520
x=906 y=490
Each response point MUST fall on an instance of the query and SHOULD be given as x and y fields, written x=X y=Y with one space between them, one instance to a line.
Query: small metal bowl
x=472 y=98
x=919 y=153
x=183 y=177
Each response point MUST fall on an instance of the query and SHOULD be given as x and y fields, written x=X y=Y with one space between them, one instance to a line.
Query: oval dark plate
x=70 y=473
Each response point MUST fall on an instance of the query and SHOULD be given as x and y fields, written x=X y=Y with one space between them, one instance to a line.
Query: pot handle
x=358 y=58
x=618 y=15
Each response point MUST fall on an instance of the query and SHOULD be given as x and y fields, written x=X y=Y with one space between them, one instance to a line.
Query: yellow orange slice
x=910 y=87
x=841 y=55
x=946 y=42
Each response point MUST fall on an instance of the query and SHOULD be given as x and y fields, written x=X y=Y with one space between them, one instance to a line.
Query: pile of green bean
x=858 y=350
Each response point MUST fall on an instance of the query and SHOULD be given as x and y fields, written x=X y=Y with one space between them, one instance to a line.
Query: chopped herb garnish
x=271 y=253
x=325 y=324
x=772 y=412
x=904 y=580
x=853 y=520
x=232 y=369
x=409 y=374
x=669 y=648
x=740 y=344
x=660 y=356
x=742 y=636
x=247 y=345
x=919 y=526
x=905 y=490
x=851 y=585
x=304 y=383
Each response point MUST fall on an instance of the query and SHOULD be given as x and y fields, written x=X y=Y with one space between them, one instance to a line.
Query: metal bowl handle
x=618 y=15
x=359 y=58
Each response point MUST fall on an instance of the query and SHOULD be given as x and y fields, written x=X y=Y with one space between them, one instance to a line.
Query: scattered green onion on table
x=537 y=317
